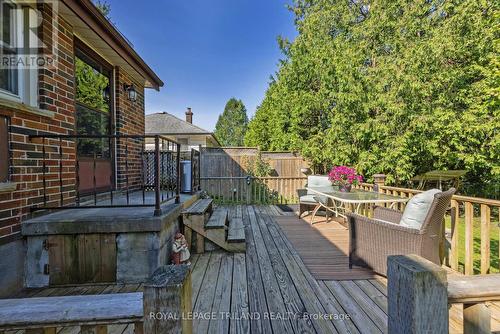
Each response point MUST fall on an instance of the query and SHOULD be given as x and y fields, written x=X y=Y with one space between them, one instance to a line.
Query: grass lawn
x=494 y=244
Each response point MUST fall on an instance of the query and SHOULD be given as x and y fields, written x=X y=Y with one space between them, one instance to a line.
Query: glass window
x=8 y=34
x=4 y=149
x=93 y=105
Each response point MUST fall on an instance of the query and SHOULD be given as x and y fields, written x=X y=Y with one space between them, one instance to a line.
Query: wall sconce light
x=132 y=93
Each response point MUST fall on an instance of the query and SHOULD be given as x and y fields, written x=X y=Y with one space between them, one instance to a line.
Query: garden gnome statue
x=180 y=250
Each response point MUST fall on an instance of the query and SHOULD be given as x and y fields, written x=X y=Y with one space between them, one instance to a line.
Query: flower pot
x=346 y=188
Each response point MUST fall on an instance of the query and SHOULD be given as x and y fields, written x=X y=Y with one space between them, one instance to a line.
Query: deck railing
x=106 y=171
x=471 y=222
x=253 y=190
x=419 y=293
x=472 y=243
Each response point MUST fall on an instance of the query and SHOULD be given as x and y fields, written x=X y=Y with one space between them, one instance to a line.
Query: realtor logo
x=28 y=35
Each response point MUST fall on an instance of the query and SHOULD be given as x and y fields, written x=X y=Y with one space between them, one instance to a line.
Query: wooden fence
x=237 y=162
x=253 y=190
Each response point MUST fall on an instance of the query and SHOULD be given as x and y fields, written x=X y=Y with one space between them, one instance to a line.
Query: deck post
x=378 y=180
x=417 y=295
x=167 y=301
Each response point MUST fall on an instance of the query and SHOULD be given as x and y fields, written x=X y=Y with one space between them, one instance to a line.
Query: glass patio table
x=339 y=202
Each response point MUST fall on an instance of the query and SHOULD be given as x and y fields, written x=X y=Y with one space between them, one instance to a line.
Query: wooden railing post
x=378 y=180
x=417 y=295
x=167 y=301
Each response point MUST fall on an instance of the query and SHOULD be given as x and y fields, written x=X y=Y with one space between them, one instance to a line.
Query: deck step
x=199 y=207
x=218 y=219
x=236 y=231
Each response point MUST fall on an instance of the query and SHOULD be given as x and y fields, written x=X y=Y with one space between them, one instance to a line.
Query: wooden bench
x=92 y=312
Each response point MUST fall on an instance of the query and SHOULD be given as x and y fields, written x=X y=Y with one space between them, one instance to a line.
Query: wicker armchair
x=373 y=240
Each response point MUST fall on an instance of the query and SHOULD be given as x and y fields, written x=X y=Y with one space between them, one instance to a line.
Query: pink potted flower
x=344 y=177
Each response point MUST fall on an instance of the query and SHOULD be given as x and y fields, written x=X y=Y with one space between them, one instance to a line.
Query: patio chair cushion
x=417 y=209
x=317 y=181
x=308 y=199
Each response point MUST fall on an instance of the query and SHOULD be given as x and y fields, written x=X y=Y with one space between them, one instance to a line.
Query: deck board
x=270 y=277
x=323 y=247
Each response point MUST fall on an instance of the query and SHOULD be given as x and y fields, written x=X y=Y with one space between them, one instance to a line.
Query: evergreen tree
x=400 y=87
x=232 y=124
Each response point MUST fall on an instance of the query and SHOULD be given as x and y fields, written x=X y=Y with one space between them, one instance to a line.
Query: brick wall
x=56 y=94
x=129 y=121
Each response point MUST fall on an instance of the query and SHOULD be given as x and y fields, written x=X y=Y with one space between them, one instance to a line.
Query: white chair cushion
x=417 y=209
x=317 y=181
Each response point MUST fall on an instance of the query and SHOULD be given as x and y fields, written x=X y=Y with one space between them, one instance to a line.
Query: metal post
x=44 y=167
x=157 y=176
x=61 y=194
x=192 y=171
x=178 y=190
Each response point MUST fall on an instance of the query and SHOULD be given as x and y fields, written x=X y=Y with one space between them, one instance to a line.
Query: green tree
x=232 y=124
x=104 y=7
x=400 y=87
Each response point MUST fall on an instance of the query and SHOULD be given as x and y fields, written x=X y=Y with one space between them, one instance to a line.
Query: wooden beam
x=470 y=289
x=417 y=295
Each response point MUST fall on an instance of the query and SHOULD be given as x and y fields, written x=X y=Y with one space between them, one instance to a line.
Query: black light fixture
x=132 y=93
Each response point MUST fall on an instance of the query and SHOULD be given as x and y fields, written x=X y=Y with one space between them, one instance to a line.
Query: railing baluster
x=77 y=171
x=192 y=171
x=144 y=165
x=162 y=167
x=111 y=174
x=485 y=238
x=44 y=179
x=126 y=170
x=178 y=174
x=454 y=235
x=469 y=238
x=61 y=195
x=157 y=178
x=94 y=177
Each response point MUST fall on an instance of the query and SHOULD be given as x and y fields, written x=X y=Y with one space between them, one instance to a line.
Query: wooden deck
x=326 y=257
x=270 y=290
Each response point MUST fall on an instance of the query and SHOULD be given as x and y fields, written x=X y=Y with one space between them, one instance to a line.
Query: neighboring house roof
x=167 y=124
x=99 y=25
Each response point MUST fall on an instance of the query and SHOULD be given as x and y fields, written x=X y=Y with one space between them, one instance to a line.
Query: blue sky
x=206 y=51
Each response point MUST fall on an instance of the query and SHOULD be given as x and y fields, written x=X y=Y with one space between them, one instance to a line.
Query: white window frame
x=27 y=80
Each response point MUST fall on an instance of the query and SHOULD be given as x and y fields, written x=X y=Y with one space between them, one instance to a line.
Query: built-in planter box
x=124 y=245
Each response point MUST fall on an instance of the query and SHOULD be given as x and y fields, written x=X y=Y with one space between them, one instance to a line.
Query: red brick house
x=89 y=80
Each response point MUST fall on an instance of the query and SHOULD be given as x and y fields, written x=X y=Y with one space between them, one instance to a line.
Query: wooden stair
x=205 y=228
